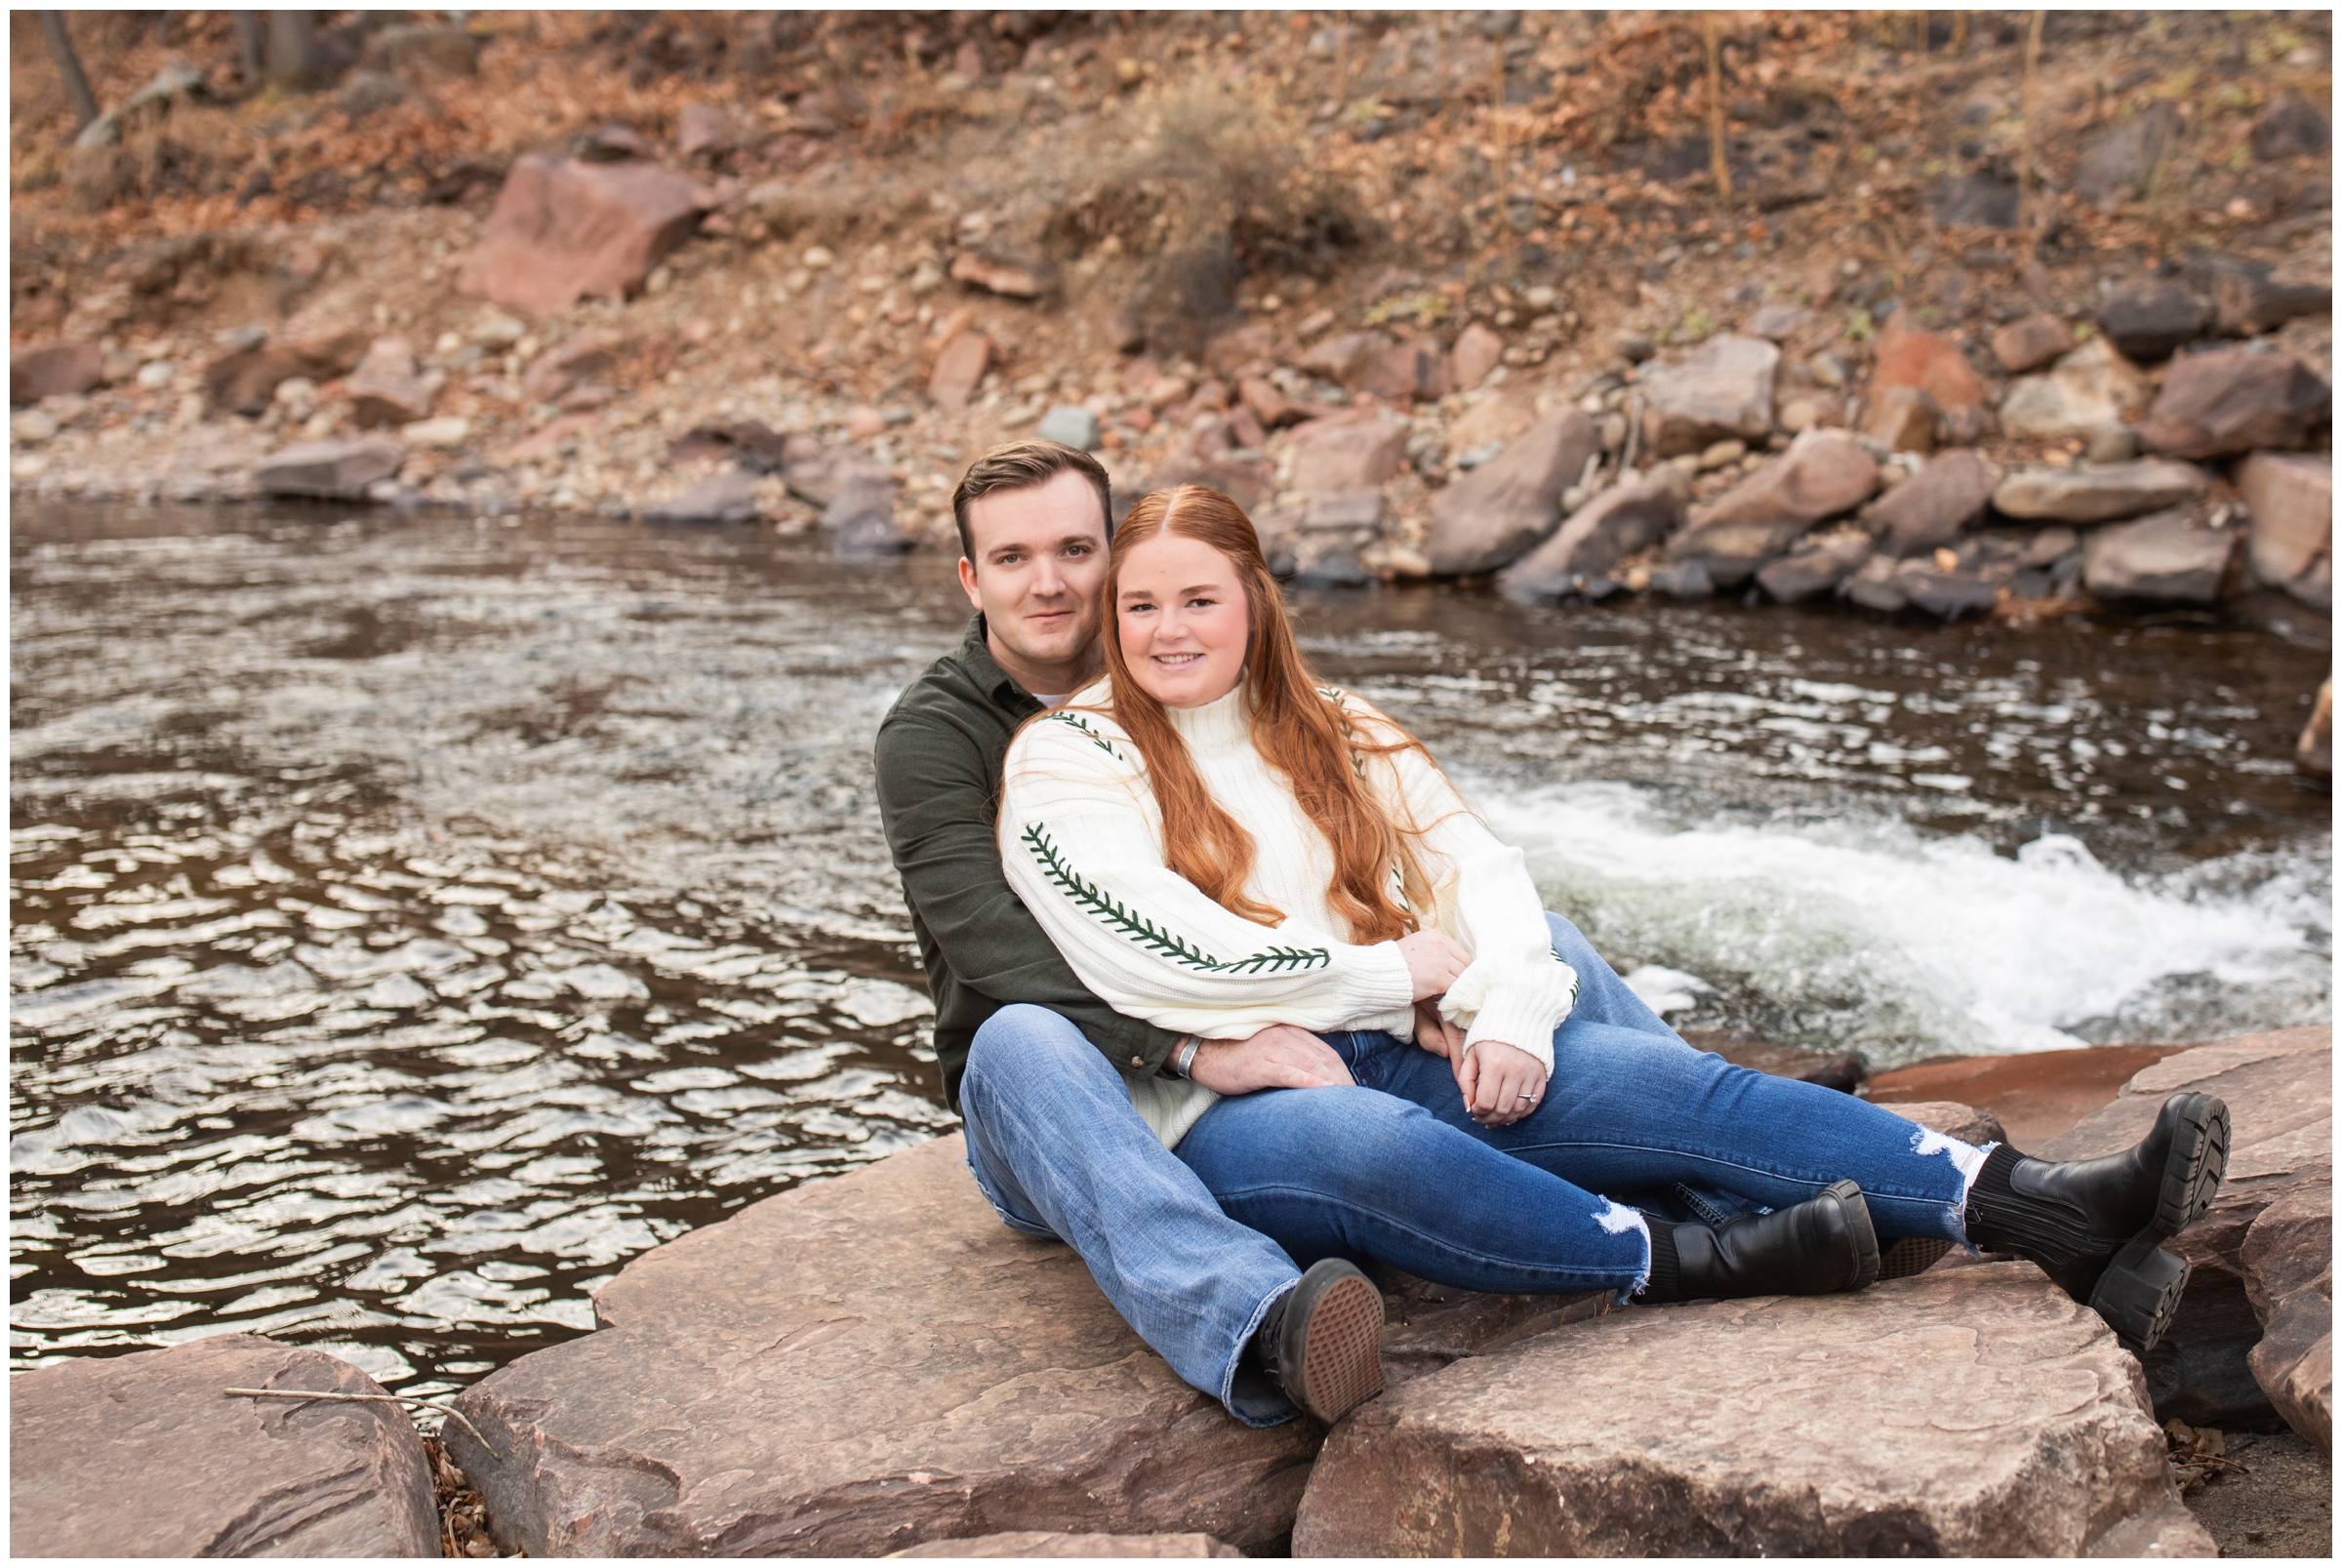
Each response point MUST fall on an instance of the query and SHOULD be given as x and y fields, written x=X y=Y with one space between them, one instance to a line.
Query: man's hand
x=1282 y=1056
x=1433 y=961
x=1501 y=1083
x=1436 y=1034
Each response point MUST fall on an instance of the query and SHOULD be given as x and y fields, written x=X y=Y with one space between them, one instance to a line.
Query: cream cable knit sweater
x=1081 y=839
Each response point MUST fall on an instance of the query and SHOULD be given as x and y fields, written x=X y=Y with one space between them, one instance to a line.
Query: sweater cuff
x=1377 y=982
x=1525 y=1014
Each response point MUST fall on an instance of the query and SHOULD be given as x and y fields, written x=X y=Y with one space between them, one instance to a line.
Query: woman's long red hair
x=1296 y=729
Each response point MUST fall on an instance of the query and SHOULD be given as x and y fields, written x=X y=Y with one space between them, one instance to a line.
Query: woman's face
x=1183 y=620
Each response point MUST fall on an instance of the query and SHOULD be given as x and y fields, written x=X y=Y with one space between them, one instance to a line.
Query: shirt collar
x=976 y=657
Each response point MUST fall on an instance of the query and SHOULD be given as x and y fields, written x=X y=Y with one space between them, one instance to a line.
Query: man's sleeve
x=938 y=803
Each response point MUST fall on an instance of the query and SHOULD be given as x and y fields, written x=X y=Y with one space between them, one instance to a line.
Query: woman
x=1218 y=844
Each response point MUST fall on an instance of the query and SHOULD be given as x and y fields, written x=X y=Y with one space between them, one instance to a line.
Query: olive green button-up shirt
x=938 y=754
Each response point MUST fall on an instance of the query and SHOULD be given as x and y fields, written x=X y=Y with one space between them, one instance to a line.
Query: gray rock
x=817 y=472
x=1816 y=569
x=861 y=519
x=1724 y=389
x=2117 y=164
x=332 y=471
x=1052 y=1543
x=1346 y=356
x=1875 y=587
x=2150 y=320
x=2292 y=541
x=728 y=497
x=1682 y=579
x=2278 y=1087
x=1778 y=322
x=1070 y=424
x=862 y=1364
x=1341 y=452
x=2097 y=495
x=2245 y=299
x=2089 y=388
x=2232 y=400
x=1823 y=474
x=2169 y=556
x=1948 y=595
x=2288 y=1260
x=1501 y=510
x=2113 y=443
x=145 y=1455
x=1975 y=201
x=1586 y=550
x=1964 y=1411
x=1329 y=534
x=2293 y=128
x=1932 y=505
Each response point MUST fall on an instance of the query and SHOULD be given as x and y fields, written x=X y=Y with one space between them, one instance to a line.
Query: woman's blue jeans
x=1192 y=1245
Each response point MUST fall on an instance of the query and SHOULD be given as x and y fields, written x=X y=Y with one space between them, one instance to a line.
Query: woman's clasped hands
x=1501 y=1083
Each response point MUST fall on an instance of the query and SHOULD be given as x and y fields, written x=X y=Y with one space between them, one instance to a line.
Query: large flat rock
x=857 y=1366
x=1964 y=1411
x=1058 y=1544
x=143 y=1456
x=2280 y=1091
x=2035 y=1095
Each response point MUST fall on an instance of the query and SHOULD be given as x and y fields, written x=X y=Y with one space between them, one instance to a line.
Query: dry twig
x=1718 y=157
x=440 y=1405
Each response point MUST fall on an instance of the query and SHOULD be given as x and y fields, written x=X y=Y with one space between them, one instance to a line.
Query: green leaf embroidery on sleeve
x=1085 y=727
x=1111 y=911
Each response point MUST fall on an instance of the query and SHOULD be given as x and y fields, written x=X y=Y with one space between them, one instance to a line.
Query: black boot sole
x=1912 y=1255
x=1332 y=1340
x=1857 y=1211
x=2139 y=1293
x=2196 y=1163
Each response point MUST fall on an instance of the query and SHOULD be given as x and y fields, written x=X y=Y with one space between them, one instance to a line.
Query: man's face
x=1041 y=554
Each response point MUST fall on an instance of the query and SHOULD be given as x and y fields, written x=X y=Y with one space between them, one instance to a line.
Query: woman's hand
x=1501 y=1083
x=1436 y=1034
x=1433 y=961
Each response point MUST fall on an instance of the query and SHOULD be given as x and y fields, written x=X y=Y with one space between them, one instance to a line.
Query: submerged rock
x=1964 y=1411
x=145 y=1456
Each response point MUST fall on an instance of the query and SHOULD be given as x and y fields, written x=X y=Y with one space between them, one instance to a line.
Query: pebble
x=31 y=428
x=448 y=431
x=1723 y=452
x=817 y=258
x=156 y=376
x=498 y=332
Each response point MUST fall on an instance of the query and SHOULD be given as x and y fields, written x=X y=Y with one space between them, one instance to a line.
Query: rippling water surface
x=414 y=918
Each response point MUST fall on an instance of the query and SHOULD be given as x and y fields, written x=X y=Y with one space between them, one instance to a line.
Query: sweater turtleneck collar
x=1226 y=722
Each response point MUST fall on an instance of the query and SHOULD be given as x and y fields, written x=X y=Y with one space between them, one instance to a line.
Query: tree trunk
x=248 y=47
x=68 y=65
x=293 y=47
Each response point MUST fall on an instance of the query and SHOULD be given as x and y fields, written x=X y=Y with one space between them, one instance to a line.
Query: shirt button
x=1138 y=1061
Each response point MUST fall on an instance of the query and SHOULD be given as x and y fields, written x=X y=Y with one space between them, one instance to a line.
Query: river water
x=418 y=916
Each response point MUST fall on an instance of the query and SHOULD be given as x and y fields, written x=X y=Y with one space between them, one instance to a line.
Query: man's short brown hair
x=1027 y=465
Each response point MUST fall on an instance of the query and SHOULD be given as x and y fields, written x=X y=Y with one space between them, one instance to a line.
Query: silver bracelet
x=1182 y=1056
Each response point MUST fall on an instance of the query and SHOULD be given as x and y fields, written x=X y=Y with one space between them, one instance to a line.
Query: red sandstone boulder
x=562 y=229
x=1906 y=355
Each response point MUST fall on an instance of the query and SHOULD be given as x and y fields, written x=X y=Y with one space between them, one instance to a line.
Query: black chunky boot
x=1322 y=1342
x=2093 y=1225
x=1822 y=1245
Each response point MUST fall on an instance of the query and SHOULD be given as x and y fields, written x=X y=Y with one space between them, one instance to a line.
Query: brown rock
x=1724 y=389
x=1477 y=351
x=2090 y=388
x=52 y=370
x=1965 y=1411
x=2291 y=541
x=1954 y=1120
x=2232 y=400
x=860 y=519
x=1823 y=473
x=1932 y=505
x=1906 y=355
x=1817 y=567
x=2036 y=1096
x=1902 y=416
x=562 y=229
x=2313 y=753
x=725 y=498
x=1353 y=451
x=2030 y=344
x=863 y=1364
x=819 y=473
x=2099 y=494
x=1190 y=463
x=1244 y=350
x=557 y=371
x=145 y=1455
x=2246 y=298
x=1345 y=358
x=1407 y=374
x=2168 y=555
x=617 y=142
x=1269 y=405
x=1018 y=278
x=701 y=128
x=404 y=51
x=332 y=471
x=245 y=381
x=2278 y=1087
x=1498 y=511
x=958 y=367
x=1946 y=592
x=2288 y=1259
x=1049 y=1544
x=1592 y=541
x=386 y=387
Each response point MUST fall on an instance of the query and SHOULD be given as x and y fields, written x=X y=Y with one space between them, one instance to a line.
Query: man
x=1224 y=1303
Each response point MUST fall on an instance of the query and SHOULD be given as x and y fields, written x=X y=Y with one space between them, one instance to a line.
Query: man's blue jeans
x=1192 y=1245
